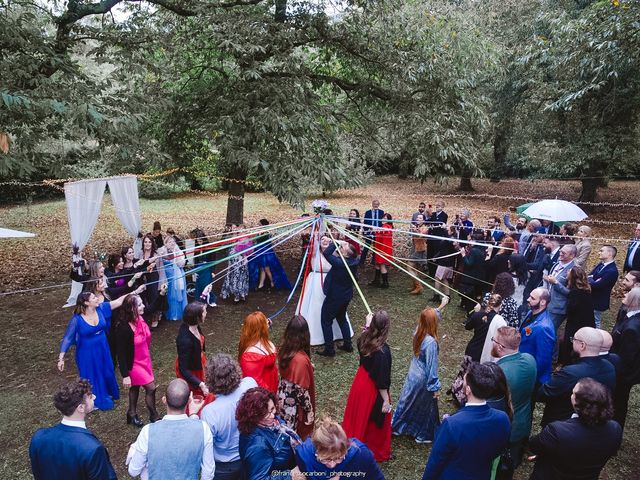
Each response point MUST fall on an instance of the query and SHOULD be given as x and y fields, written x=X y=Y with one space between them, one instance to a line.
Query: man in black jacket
x=338 y=288
x=556 y=393
x=580 y=446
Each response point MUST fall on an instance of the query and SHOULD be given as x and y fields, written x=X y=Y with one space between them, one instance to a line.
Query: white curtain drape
x=124 y=195
x=84 y=200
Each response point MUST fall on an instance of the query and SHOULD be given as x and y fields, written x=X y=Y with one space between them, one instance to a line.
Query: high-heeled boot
x=376 y=280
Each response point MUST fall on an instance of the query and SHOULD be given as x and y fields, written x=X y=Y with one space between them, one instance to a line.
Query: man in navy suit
x=468 y=441
x=372 y=220
x=632 y=260
x=494 y=233
x=602 y=280
x=338 y=288
x=69 y=451
x=556 y=393
x=549 y=228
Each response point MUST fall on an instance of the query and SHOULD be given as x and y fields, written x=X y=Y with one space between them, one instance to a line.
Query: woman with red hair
x=417 y=412
x=266 y=442
x=256 y=353
x=499 y=263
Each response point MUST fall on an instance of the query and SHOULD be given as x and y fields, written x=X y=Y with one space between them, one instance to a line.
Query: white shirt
x=632 y=313
x=475 y=404
x=74 y=423
x=137 y=456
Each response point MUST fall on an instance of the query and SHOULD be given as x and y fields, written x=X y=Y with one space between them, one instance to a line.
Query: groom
x=338 y=288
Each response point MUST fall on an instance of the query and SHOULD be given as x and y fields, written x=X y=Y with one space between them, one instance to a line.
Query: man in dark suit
x=438 y=227
x=602 y=280
x=556 y=393
x=521 y=372
x=494 y=233
x=69 y=451
x=372 y=220
x=607 y=343
x=632 y=260
x=338 y=288
x=549 y=228
x=626 y=344
x=578 y=447
x=468 y=441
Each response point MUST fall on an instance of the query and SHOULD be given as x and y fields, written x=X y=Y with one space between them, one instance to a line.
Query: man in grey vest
x=177 y=447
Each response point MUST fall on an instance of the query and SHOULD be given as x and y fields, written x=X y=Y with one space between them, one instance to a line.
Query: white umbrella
x=8 y=233
x=555 y=211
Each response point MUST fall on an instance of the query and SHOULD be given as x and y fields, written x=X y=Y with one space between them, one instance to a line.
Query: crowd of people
x=533 y=304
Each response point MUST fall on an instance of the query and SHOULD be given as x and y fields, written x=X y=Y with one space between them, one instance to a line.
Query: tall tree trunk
x=404 y=165
x=500 y=149
x=589 y=190
x=465 y=183
x=235 y=202
x=281 y=10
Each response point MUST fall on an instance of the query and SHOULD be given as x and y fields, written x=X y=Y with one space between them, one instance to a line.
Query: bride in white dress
x=312 y=297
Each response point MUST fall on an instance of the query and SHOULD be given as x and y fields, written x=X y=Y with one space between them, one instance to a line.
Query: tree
x=585 y=75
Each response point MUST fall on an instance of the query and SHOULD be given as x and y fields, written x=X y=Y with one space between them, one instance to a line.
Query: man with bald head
x=176 y=447
x=607 y=342
x=556 y=393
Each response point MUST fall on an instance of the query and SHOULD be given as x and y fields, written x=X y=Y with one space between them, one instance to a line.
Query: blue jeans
x=597 y=315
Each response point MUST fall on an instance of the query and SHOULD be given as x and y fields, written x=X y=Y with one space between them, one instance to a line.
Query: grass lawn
x=33 y=324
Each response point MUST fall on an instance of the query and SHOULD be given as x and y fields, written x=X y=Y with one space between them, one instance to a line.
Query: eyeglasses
x=497 y=343
x=330 y=460
x=574 y=339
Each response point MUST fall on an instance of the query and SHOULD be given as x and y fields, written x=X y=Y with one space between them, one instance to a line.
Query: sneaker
x=423 y=441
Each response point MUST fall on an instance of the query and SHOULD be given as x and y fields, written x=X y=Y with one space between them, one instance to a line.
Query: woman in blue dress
x=87 y=330
x=417 y=411
x=265 y=266
x=173 y=261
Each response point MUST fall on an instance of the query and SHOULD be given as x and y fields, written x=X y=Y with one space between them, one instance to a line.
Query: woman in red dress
x=367 y=416
x=191 y=358
x=256 y=353
x=384 y=249
x=297 y=390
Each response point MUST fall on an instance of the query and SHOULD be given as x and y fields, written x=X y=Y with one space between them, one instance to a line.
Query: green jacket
x=520 y=370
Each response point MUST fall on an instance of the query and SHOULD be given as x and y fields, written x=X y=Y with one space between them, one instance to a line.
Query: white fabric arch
x=84 y=201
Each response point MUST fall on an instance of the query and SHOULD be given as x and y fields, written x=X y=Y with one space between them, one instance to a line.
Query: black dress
x=478 y=322
x=579 y=314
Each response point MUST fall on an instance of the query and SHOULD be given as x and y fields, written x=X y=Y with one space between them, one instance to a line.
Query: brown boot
x=418 y=288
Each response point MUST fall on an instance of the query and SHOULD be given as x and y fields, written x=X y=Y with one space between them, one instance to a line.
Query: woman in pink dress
x=133 y=339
